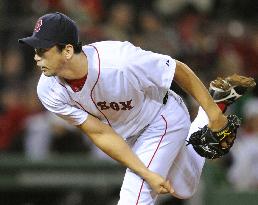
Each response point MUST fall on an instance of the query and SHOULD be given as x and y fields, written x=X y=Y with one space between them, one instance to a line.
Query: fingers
x=159 y=184
x=166 y=188
x=227 y=142
x=170 y=188
x=230 y=139
x=224 y=144
x=163 y=191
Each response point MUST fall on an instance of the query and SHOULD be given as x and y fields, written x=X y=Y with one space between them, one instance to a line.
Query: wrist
x=214 y=113
x=144 y=173
x=217 y=122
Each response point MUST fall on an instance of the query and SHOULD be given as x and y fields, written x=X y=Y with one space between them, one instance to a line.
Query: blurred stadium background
x=45 y=161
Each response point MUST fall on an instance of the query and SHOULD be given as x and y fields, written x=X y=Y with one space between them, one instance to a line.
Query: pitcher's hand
x=158 y=183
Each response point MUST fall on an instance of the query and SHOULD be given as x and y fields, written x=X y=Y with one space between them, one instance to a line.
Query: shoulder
x=49 y=87
x=114 y=52
x=112 y=47
x=105 y=44
x=110 y=54
x=45 y=84
x=124 y=50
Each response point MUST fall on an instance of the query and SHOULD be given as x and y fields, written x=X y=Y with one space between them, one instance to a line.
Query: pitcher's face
x=49 y=60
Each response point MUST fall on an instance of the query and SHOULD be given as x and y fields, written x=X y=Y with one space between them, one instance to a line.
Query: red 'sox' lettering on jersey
x=126 y=105
x=38 y=25
x=115 y=105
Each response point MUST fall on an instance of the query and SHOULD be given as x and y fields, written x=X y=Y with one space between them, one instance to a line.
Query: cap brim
x=36 y=43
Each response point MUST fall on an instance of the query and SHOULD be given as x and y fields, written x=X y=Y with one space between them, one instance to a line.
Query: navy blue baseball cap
x=51 y=29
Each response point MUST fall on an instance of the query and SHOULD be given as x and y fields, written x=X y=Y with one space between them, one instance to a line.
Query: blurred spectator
x=229 y=61
x=237 y=49
x=12 y=71
x=66 y=138
x=244 y=172
x=47 y=134
x=12 y=118
x=13 y=103
x=88 y=15
x=37 y=137
x=14 y=9
x=49 y=5
x=155 y=36
x=94 y=8
x=168 y=7
x=18 y=103
x=119 y=22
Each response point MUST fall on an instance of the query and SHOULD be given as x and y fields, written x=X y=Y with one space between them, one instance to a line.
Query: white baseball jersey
x=125 y=87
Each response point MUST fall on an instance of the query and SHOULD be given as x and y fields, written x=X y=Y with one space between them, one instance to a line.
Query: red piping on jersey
x=166 y=126
x=91 y=92
x=74 y=100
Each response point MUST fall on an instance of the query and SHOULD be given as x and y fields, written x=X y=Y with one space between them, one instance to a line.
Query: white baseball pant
x=162 y=149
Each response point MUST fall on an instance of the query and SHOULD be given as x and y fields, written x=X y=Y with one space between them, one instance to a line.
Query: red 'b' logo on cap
x=38 y=25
